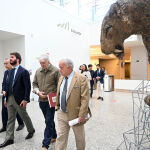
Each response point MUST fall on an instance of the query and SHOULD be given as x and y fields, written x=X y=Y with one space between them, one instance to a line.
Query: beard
x=13 y=62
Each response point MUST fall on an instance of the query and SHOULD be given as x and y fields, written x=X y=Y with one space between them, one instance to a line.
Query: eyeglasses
x=5 y=63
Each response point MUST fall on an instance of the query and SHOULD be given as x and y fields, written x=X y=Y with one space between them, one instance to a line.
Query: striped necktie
x=63 y=96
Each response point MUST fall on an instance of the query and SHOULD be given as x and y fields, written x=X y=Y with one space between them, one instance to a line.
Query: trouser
x=13 y=108
x=100 y=89
x=63 y=132
x=50 y=131
x=91 y=88
x=5 y=115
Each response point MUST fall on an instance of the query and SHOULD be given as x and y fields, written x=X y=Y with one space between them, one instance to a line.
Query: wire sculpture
x=138 y=138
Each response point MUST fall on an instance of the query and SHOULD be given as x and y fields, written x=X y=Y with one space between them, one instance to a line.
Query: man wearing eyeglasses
x=4 y=108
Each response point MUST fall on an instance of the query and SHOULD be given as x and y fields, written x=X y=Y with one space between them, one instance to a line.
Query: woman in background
x=86 y=73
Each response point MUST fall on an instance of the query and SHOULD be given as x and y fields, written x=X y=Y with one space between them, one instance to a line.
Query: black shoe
x=2 y=129
x=102 y=98
x=7 y=142
x=30 y=135
x=98 y=98
x=20 y=127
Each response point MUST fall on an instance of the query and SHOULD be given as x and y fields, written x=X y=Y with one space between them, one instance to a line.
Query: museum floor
x=110 y=119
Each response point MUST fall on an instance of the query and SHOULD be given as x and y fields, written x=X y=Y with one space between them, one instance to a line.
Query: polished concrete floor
x=110 y=119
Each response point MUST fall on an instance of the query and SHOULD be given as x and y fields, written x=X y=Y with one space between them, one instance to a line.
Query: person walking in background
x=103 y=68
x=71 y=102
x=45 y=82
x=4 y=108
x=92 y=79
x=80 y=68
x=17 y=95
x=99 y=75
x=86 y=73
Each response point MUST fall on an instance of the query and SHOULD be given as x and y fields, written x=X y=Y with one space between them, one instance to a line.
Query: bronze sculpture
x=125 y=18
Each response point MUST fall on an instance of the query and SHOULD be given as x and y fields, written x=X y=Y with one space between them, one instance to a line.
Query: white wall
x=1 y=64
x=95 y=30
x=126 y=84
x=14 y=45
x=8 y=46
x=38 y=21
x=139 y=63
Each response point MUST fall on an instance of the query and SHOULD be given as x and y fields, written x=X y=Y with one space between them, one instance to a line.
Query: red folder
x=52 y=99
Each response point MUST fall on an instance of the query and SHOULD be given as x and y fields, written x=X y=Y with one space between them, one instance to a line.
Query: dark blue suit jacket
x=100 y=74
x=4 y=83
x=21 y=86
x=93 y=76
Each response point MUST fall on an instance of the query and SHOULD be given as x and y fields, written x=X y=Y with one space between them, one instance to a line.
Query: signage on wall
x=66 y=26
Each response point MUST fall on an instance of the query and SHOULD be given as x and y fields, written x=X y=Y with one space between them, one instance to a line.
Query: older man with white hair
x=45 y=82
x=72 y=102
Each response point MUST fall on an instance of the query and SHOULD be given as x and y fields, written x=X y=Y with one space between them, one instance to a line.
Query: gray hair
x=43 y=57
x=68 y=63
x=6 y=59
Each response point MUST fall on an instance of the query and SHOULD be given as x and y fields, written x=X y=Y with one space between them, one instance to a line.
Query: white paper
x=54 y=99
x=75 y=121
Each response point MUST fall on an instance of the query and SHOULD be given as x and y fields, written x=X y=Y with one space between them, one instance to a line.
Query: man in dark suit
x=92 y=80
x=99 y=75
x=17 y=94
x=4 y=109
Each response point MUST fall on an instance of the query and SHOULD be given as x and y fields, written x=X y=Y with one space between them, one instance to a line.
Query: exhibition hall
x=75 y=74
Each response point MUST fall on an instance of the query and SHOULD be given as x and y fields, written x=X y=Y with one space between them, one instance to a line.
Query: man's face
x=98 y=67
x=13 y=60
x=90 y=68
x=7 y=64
x=44 y=64
x=64 y=70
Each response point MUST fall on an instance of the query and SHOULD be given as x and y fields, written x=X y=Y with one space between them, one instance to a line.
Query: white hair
x=68 y=62
x=6 y=59
x=44 y=57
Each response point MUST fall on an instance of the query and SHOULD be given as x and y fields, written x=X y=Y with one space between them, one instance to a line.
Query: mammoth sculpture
x=125 y=18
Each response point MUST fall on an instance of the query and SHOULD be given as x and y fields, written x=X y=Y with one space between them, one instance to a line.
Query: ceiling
x=7 y=35
x=89 y=10
x=95 y=52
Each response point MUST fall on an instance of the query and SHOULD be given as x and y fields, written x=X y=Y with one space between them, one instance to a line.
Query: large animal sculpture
x=125 y=18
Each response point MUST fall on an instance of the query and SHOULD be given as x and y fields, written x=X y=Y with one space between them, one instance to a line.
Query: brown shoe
x=53 y=140
x=44 y=148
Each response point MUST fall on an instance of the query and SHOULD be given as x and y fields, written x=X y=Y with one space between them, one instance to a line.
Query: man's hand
x=4 y=93
x=23 y=103
x=42 y=95
x=5 y=103
x=97 y=78
x=81 y=119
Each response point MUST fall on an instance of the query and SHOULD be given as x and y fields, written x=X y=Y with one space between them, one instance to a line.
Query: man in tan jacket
x=45 y=82
x=71 y=103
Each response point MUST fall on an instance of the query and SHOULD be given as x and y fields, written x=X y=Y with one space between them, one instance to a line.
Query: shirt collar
x=48 y=68
x=71 y=74
x=17 y=67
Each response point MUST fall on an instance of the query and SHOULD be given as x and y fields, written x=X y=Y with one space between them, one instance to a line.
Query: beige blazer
x=77 y=98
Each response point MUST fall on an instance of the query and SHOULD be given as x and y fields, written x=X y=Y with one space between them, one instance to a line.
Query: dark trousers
x=5 y=115
x=91 y=87
x=50 y=131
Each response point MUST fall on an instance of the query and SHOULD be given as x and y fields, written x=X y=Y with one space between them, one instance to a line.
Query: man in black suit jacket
x=17 y=96
x=92 y=80
x=4 y=109
x=99 y=75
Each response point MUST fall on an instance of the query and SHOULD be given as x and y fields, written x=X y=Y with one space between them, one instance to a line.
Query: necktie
x=11 y=81
x=63 y=96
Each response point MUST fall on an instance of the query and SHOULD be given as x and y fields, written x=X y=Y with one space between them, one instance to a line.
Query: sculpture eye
x=109 y=31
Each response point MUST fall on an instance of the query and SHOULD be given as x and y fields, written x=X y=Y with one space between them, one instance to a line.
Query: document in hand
x=52 y=99
x=75 y=121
